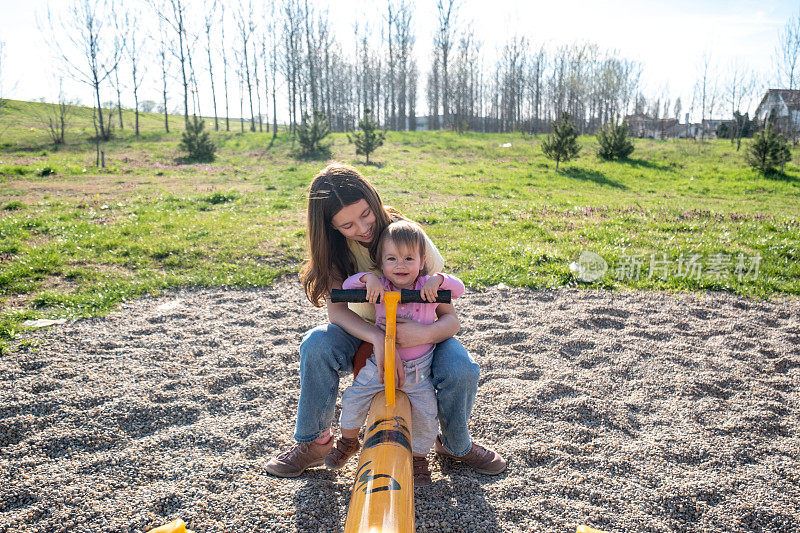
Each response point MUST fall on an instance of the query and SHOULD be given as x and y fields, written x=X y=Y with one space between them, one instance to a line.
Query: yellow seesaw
x=383 y=489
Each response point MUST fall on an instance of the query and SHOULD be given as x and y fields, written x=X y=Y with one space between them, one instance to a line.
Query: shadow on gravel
x=456 y=501
x=318 y=502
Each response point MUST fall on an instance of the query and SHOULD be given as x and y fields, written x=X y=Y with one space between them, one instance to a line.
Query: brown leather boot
x=296 y=459
x=482 y=460
x=339 y=454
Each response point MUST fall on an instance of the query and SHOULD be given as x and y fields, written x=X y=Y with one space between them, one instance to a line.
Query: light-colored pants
x=424 y=425
x=327 y=350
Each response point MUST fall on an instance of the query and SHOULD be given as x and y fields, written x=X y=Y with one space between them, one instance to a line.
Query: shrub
x=562 y=143
x=769 y=151
x=221 y=197
x=614 y=141
x=198 y=142
x=311 y=132
x=369 y=138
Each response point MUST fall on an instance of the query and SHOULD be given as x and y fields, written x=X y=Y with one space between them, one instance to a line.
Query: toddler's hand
x=431 y=287
x=374 y=287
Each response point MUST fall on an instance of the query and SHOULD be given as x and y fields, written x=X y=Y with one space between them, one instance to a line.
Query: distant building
x=645 y=127
x=782 y=106
x=683 y=131
x=422 y=122
x=710 y=126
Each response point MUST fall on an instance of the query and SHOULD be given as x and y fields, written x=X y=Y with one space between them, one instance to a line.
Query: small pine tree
x=311 y=131
x=614 y=141
x=768 y=151
x=198 y=142
x=562 y=143
x=369 y=138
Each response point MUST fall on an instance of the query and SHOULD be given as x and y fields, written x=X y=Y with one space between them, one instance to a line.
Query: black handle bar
x=406 y=296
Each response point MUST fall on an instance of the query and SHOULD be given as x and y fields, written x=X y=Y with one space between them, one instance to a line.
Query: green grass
x=76 y=240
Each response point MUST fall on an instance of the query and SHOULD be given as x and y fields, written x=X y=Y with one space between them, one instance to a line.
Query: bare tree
x=787 y=55
x=405 y=52
x=310 y=53
x=433 y=92
x=292 y=57
x=273 y=65
x=209 y=21
x=443 y=41
x=327 y=44
x=412 y=94
x=191 y=43
x=706 y=91
x=739 y=90
x=243 y=22
x=512 y=67
x=265 y=62
x=55 y=117
x=121 y=35
x=173 y=13
x=536 y=69
x=463 y=83
x=118 y=88
x=258 y=82
x=390 y=22
x=162 y=55
x=240 y=74
x=224 y=66
x=137 y=72
x=89 y=28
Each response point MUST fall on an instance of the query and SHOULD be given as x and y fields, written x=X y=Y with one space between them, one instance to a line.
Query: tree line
x=257 y=61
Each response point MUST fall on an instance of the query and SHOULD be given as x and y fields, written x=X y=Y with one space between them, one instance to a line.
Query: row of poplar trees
x=282 y=59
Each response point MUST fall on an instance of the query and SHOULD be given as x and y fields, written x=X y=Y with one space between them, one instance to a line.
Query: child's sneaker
x=339 y=454
x=422 y=475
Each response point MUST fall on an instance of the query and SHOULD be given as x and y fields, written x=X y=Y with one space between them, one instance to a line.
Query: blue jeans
x=328 y=350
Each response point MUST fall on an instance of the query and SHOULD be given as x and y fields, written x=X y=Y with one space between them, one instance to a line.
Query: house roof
x=790 y=97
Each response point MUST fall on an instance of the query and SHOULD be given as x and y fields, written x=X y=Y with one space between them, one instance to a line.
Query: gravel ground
x=635 y=411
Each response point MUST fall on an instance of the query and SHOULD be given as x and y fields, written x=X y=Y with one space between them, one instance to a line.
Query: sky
x=669 y=38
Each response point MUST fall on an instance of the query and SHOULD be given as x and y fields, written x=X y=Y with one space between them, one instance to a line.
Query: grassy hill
x=75 y=239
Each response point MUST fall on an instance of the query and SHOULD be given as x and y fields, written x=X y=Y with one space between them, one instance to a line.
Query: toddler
x=401 y=257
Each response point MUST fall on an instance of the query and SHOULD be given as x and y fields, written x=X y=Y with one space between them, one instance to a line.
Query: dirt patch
x=633 y=411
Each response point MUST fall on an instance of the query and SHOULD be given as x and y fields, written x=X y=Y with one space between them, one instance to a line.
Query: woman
x=345 y=220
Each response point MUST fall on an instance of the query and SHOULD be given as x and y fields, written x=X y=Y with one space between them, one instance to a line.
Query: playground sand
x=629 y=411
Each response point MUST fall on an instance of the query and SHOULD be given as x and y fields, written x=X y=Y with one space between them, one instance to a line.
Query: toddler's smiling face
x=401 y=264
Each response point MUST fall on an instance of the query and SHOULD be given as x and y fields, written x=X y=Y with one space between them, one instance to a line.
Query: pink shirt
x=422 y=313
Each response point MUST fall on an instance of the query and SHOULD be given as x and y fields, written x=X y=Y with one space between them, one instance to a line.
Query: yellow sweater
x=433 y=260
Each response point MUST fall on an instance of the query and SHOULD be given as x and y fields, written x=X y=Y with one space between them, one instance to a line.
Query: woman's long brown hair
x=329 y=261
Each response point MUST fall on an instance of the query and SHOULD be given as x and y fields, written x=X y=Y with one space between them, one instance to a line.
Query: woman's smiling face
x=356 y=221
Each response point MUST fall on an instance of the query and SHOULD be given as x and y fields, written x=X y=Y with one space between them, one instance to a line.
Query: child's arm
x=366 y=280
x=444 y=282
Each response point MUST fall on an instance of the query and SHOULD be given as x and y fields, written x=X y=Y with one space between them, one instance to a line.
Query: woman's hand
x=431 y=287
x=410 y=333
x=399 y=371
x=374 y=287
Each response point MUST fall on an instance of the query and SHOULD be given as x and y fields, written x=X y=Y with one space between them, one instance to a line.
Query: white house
x=782 y=105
